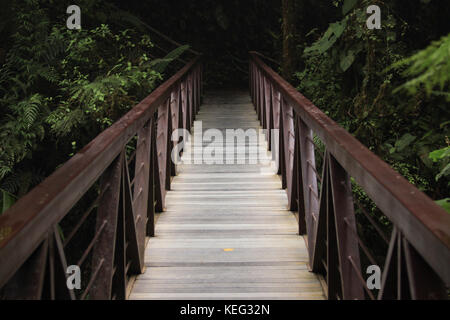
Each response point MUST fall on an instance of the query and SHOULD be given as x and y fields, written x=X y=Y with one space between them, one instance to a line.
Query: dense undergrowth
x=59 y=88
x=388 y=90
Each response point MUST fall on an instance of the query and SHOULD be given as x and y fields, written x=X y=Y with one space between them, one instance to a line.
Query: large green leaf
x=160 y=65
x=348 y=5
x=333 y=33
x=347 y=60
x=7 y=200
x=444 y=172
x=444 y=203
x=437 y=155
x=404 y=141
x=428 y=69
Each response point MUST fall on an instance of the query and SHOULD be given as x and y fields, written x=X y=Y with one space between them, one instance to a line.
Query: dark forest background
x=59 y=88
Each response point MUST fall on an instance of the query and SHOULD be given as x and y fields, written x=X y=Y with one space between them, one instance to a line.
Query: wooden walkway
x=226 y=232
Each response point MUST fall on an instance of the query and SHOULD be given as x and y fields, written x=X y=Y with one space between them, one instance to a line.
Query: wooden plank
x=228 y=211
x=225 y=186
x=226 y=232
x=268 y=242
x=223 y=168
x=236 y=288
x=229 y=296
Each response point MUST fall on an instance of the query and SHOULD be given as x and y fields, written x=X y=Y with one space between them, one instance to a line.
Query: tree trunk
x=289 y=32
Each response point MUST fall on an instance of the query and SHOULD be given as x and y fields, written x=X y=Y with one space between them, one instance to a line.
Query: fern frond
x=62 y=121
x=4 y=170
x=30 y=109
x=429 y=68
x=159 y=65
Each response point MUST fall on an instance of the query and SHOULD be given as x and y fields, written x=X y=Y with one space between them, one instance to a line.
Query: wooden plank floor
x=226 y=232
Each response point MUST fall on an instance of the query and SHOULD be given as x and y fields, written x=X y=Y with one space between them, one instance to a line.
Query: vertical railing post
x=194 y=93
x=282 y=153
x=317 y=244
x=176 y=119
x=28 y=282
x=254 y=84
x=423 y=282
x=261 y=99
x=287 y=115
x=197 y=89
x=256 y=88
x=154 y=190
x=189 y=99
x=250 y=80
x=276 y=116
x=268 y=110
x=107 y=212
x=134 y=248
x=406 y=275
x=310 y=193
x=302 y=229
x=163 y=149
x=202 y=82
x=185 y=107
x=258 y=93
x=142 y=183
x=264 y=103
x=345 y=223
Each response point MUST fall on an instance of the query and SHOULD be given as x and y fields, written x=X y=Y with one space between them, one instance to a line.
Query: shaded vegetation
x=59 y=88
x=358 y=76
x=388 y=87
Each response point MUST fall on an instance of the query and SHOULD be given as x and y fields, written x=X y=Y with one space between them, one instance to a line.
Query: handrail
x=419 y=221
x=26 y=225
x=266 y=58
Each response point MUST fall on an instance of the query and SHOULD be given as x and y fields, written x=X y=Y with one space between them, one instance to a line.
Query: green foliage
x=348 y=5
x=59 y=88
x=20 y=130
x=7 y=200
x=329 y=38
x=401 y=144
x=442 y=156
x=344 y=77
x=429 y=69
x=444 y=203
x=159 y=65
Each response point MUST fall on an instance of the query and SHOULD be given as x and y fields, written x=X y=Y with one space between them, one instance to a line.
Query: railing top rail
x=266 y=57
x=425 y=224
x=25 y=224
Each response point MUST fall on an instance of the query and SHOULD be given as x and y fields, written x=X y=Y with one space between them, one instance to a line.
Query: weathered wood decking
x=226 y=232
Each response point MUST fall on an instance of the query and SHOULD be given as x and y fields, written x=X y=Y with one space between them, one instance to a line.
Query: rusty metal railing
x=124 y=172
x=416 y=262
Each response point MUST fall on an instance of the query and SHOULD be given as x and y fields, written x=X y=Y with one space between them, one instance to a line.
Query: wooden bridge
x=298 y=213
x=226 y=232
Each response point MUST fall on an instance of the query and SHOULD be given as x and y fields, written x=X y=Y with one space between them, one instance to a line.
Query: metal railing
x=125 y=172
x=417 y=256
